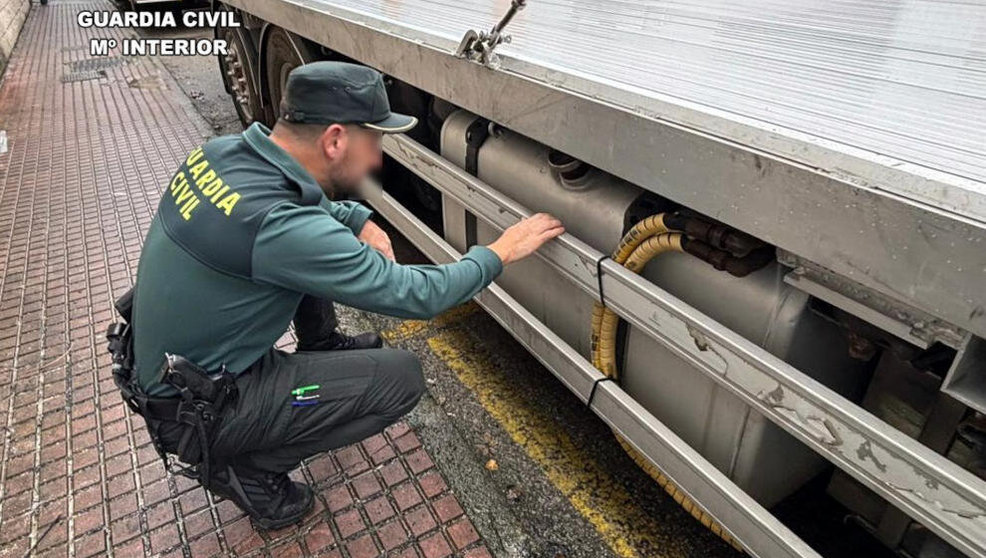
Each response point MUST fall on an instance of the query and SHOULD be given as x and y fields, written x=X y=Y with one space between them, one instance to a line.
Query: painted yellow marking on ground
x=605 y=503
x=411 y=328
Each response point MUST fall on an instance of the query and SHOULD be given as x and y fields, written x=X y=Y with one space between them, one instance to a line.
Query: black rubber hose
x=725 y=261
x=715 y=235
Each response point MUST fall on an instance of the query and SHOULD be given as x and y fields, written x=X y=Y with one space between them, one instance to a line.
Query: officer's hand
x=373 y=235
x=525 y=237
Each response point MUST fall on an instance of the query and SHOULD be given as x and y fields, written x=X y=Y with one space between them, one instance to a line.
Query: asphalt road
x=540 y=475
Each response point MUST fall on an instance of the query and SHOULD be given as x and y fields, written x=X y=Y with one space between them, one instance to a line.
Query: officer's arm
x=303 y=249
x=349 y=213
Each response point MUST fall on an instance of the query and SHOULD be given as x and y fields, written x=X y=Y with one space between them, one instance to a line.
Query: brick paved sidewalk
x=91 y=144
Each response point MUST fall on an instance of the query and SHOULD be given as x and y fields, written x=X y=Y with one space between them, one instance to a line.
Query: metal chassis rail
x=934 y=491
x=759 y=531
x=849 y=212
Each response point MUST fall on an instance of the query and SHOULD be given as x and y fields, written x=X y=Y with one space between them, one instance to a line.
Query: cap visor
x=393 y=124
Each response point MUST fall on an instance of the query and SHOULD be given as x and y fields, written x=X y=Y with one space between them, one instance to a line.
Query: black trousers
x=360 y=392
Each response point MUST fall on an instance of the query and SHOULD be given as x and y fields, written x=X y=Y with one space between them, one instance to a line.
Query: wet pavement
x=91 y=142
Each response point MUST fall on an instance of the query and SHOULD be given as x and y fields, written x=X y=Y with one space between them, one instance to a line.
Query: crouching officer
x=245 y=240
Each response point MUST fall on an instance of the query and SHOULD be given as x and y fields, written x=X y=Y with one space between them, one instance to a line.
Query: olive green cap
x=341 y=93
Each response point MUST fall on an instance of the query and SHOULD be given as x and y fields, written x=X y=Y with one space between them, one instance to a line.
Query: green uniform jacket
x=241 y=234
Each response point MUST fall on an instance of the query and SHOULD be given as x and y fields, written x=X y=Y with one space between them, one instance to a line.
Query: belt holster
x=203 y=398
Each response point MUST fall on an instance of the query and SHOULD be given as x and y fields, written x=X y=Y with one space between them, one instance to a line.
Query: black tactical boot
x=271 y=499
x=340 y=342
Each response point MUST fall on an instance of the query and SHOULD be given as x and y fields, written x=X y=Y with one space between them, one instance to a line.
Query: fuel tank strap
x=476 y=135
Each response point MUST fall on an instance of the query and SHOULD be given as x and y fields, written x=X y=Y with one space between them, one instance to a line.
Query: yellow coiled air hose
x=646 y=240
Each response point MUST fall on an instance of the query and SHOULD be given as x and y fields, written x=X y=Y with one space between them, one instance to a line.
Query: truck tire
x=238 y=67
x=284 y=52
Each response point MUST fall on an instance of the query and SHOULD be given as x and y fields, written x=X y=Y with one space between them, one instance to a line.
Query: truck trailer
x=775 y=264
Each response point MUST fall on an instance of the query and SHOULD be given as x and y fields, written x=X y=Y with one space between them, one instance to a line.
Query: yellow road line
x=600 y=499
x=411 y=328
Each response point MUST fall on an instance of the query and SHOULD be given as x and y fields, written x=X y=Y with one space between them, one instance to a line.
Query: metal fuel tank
x=594 y=206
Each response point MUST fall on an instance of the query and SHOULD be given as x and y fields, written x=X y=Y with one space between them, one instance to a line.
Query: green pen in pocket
x=303 y=389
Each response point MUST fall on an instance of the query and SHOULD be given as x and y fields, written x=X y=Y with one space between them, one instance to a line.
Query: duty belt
x=198 y=407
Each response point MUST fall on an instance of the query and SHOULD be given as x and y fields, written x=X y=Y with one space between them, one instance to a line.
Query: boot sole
x=269 y=524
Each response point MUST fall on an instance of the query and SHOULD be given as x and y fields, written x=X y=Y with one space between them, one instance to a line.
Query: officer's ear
x=334 y=141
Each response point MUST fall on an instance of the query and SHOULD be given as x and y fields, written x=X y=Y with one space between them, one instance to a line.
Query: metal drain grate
x=83 y=75
x=89 y=64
